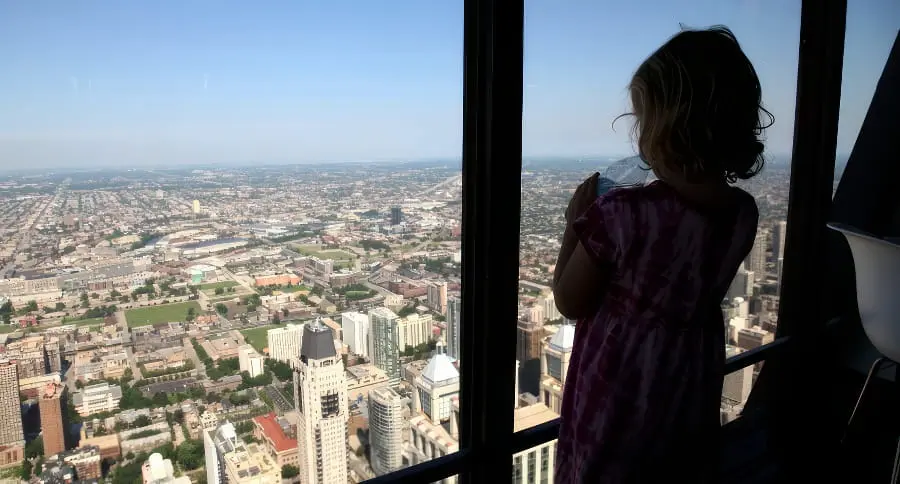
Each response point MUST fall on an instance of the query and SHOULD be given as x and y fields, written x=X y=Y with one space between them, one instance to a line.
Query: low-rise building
x=145 y=438
x=230 y=459
x=273 y=432
x=157 y=470
x=100 y=397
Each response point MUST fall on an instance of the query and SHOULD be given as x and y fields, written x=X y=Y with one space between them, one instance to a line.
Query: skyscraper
x=12 y=438
x=396 y=215
x=454 y=315
x=437 y=296
x=742 y=284
x=756 y=259
x=778 y=237
x=551 y=312
x=52 y=427
x=385 y=430
x=284 y=343
x=385 y=341
x=356 y=332
x=320 y=397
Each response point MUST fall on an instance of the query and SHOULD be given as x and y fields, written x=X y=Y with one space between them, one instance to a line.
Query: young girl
x=644 y=271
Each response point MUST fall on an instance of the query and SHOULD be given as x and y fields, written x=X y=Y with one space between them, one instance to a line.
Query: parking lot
x=278 y=399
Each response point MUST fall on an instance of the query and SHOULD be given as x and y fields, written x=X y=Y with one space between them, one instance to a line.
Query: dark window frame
x=492 y=165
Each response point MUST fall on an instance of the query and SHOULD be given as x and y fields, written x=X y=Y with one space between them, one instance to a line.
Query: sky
x=140 y=83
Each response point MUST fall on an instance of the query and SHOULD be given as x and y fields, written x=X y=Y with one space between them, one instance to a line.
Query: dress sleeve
x=604 y=229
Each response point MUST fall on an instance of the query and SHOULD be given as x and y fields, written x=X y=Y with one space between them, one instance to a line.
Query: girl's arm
x=577 y=278
x=578 y=283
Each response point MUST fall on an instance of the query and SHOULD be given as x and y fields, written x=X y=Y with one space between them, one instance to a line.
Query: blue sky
x=91 y=83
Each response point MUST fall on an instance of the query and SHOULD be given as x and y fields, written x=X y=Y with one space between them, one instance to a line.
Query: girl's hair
x=697 y=106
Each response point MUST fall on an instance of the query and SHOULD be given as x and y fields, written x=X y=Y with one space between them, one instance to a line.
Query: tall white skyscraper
x=454 y=316
x=384 y=335
x=778 y=237
x=320 y=397
x=550 y=310
x=284 y=343
x=355 y=326
x=756 y=259
x=742 y=285
x=386 y=430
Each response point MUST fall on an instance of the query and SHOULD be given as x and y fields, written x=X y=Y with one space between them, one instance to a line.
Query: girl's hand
x=584 y=196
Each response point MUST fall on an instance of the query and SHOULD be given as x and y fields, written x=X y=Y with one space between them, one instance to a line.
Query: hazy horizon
x=150 y=84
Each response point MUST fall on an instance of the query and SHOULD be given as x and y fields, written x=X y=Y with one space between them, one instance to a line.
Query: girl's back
x=644 y=380
x=644 y=270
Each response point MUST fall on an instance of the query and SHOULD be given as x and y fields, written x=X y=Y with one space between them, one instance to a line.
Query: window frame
x=491 y=167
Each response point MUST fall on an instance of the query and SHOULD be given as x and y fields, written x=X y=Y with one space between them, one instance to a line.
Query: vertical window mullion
x=492 y=165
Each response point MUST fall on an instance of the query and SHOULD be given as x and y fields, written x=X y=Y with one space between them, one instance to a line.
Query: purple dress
x=641 y=399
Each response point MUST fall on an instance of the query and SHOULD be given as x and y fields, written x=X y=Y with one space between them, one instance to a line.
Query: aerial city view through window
x=230 y=234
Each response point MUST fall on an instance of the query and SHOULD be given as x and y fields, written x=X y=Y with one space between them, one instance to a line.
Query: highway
x=448 y=181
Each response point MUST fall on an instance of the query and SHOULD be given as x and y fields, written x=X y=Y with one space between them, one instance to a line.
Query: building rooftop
x=273 y=430
x=51 y=391
x=318 y=342
x=440 y=369
x=564 y=338
x=536 y=414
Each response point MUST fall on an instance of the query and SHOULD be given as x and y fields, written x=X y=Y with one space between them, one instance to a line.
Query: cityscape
x=284 y=323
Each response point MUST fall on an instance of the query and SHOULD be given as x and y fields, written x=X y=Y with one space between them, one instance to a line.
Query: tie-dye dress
x=641 y=400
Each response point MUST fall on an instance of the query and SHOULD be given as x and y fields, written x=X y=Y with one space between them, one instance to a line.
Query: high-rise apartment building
x=29 y=354
x=320 y=397
x=778 y=237
x=454 y=317
x=385 y=430
x=742 y=284
x=385 y=347
x=551 y=312
x=356 y=333
x=12 y=438
x=284 y=343
x=437 y=296
x=756 y=259
x=529 y=340
x=414 y=330
x=536 y=314
x=53 y=430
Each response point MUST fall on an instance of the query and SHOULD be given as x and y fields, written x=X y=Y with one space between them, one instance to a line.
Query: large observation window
x=275 y=179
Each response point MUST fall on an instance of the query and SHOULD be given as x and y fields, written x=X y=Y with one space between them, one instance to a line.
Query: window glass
x=579 y=59
x=871 y=29
x=266 y=201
